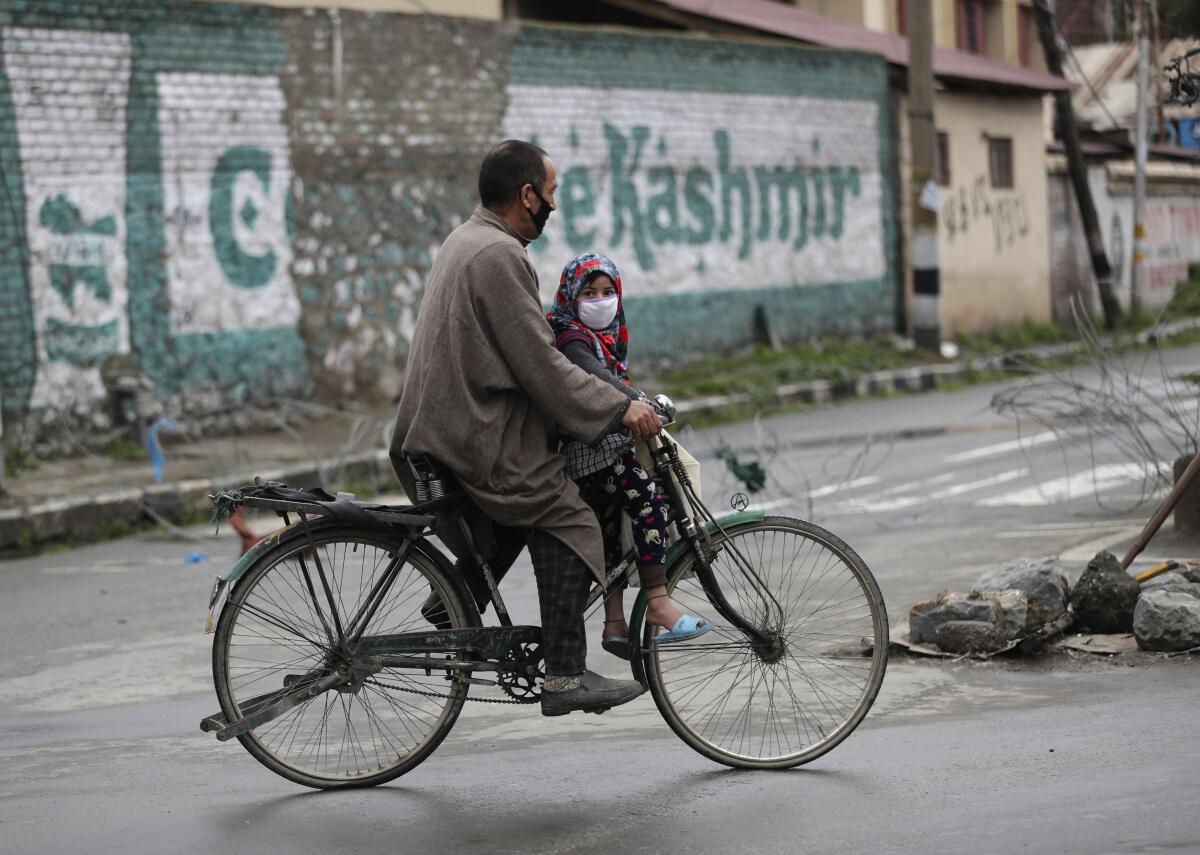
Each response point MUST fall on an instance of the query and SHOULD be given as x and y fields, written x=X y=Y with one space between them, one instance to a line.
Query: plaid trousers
x=563 y=582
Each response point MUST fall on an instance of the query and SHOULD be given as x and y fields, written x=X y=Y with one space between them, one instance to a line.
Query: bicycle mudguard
x=225 y=583
x=677 y=550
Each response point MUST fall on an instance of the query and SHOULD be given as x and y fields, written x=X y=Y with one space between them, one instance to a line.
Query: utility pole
x=1137 y=282
x=1156 y=90
x=922 y=139
x=1068 y=134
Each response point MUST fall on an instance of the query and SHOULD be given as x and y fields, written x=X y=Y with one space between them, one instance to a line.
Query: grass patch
x=1026 y=335
x=360 y=487
x=1186 y=299
x=124 y=448
x=18 y=459
x=113 y=529
x=757 y=373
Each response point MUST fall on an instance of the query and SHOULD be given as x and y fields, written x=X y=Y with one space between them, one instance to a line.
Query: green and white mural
x=74 y=202
x=226 y=188
x=203 y=192
x=690 y=207
x=148 y=181
x=717 y=177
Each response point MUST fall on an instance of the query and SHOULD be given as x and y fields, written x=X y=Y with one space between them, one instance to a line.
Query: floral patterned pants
x=626 y=486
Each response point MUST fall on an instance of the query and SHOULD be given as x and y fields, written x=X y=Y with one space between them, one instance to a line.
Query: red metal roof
x=1106 y=149
x=784 y=20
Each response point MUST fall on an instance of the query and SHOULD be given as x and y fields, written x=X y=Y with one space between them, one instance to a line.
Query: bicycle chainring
x=524 y=674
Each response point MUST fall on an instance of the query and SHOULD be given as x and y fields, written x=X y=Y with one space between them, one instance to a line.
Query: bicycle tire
x=402 y=729
x=836 y=649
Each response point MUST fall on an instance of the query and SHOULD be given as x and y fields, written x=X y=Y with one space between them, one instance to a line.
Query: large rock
x=1041 y=580
x=1104 y=597
x=1173 y=581
x=1171 y=577
x=925 y=617
x=969 y=636
x=1167 y=620
x=1192 y=574
x=1014 y=610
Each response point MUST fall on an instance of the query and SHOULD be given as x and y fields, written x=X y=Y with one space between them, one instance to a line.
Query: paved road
x=105 y=675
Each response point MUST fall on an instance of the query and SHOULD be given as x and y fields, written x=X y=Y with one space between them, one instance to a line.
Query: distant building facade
x=993 y=245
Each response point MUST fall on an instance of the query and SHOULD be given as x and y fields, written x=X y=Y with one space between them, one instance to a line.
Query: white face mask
x=598 y=314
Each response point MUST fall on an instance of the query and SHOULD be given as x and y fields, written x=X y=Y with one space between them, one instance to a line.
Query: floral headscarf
x=611 y=343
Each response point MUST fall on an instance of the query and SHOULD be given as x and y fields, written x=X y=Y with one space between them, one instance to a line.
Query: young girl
x=589 y=326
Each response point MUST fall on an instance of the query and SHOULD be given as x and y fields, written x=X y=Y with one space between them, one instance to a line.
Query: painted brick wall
x=244 y=202
x=1172 y=232
x=145 y=218
x=720 y=177
x=382 y=178
x=1071 y=278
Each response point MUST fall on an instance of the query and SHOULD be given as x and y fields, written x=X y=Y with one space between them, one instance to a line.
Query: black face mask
x=543 y=214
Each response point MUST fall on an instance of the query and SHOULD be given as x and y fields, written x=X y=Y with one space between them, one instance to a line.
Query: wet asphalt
x=105 y=674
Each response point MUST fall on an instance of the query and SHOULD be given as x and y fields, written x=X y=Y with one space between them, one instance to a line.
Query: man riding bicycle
x=487 y=395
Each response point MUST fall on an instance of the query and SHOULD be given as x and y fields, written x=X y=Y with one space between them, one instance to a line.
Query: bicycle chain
x=448 y=697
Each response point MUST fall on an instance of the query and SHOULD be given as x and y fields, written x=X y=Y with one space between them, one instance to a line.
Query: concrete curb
x=83 y=518
x=923 y=378
x=78 y=519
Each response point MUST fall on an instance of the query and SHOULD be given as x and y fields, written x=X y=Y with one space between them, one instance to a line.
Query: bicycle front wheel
x=747 y=705
x=278 y=629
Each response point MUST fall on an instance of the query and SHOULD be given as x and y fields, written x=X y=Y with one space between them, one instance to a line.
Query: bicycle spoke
x=353 y=732
x=792 y=702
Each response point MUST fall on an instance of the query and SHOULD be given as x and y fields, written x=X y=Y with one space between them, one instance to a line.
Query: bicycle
x=328 y=673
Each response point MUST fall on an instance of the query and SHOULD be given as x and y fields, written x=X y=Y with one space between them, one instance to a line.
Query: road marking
x=1063 y=529
x=1001 y=448
x=830 y=489
x=1083 y=524
x=902 y=502
x=959 y=489
x=766 y=506
x=1095 y=480
x=917 y=485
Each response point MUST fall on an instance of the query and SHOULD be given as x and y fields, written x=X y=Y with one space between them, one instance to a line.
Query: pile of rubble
x=1026 y=603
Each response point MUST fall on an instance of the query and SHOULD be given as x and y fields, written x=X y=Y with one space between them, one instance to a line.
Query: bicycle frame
x=477 y=648
x=697 y=541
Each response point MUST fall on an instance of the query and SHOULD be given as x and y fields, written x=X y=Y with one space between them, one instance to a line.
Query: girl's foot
x=662 y=611
x=615 y=638
x=615 y=628
x=680 y=626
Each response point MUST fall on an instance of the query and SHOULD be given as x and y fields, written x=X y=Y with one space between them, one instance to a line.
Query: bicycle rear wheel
x=276 y=630
x=746 y=706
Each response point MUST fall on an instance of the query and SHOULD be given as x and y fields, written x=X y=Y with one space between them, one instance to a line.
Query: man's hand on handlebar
x=642 y=420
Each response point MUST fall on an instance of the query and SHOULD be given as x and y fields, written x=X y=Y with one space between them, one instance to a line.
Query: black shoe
x=434 y=612
x=593 y=694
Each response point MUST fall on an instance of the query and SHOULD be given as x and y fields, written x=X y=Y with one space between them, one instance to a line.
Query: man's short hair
x=506 y=169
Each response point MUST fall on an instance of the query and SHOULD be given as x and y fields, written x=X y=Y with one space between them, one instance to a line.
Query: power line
x=1079 y=67
x=1117 y=125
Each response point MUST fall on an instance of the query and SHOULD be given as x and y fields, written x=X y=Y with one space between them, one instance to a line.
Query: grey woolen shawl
x=488 y=395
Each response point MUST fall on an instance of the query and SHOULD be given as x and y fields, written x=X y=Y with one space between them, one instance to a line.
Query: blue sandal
x=686 y=628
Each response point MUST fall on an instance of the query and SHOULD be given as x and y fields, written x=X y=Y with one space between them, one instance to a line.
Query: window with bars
x=1000 y=161
x=1026 y=35
x=971 y=21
